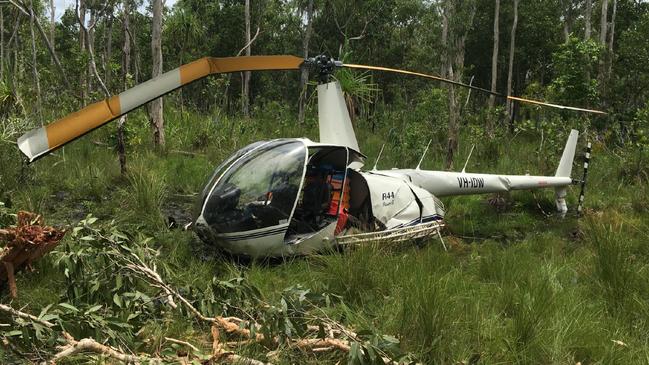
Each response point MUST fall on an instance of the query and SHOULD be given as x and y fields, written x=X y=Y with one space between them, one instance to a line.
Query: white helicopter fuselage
x=295 y=197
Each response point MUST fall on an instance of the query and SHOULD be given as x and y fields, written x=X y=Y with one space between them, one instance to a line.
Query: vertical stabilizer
x=565 y=170
x=565 y=165
x=335 y=124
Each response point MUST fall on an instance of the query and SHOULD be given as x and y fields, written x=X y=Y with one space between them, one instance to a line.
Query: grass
x=517 y=286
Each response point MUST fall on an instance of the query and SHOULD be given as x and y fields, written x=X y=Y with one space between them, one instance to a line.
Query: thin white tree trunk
x=245 y=87
x=126 y=65
x=304 y=76
x=587 y=22
x=82 y=47
x=2 y=43
x=510 y=68
x=494 y=55
x=90 y=46
x=603 y=30
x=52 y=23
x=39 y=106
x=602 y=23
x=444 y=55
x=610 y=41
x=109 y=51
x=157 y=119
x=455 y=60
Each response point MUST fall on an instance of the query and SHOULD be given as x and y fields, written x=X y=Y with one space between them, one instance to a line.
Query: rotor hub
x=323 y=65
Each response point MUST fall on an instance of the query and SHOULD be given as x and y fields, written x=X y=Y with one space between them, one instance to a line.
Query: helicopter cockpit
x=258 y=190
x=281 y=192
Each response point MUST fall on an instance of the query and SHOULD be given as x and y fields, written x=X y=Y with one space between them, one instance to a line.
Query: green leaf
x=44 y=311
x=117 y=300
x=69 y=306
x=94 y=309
x=49 y=317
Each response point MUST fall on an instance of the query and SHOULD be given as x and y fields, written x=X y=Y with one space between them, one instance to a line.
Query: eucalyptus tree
x=156 y=106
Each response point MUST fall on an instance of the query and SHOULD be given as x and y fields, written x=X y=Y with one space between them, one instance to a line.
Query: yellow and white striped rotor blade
x=40 y=141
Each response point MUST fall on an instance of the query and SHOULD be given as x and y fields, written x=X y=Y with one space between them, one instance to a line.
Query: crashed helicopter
x=294 y=196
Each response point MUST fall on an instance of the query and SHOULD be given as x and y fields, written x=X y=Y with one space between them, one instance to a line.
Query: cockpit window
x=259 y=190
x=219 y=170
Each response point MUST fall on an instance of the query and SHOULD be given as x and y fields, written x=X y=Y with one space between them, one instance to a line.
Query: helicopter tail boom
x=449 y=183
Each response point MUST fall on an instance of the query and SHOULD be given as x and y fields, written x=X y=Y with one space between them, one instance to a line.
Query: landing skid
x=419 y=231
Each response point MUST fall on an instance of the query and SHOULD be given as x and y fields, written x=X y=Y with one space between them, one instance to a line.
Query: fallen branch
x=234 y=325
x=23 y=315
x=89 y=345
x=219 y=354
x=151 y=273
x=322 y=343
x=184 y=343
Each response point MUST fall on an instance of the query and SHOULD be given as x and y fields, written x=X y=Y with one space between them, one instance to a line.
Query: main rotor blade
x=41 y=141
x=433 y=77
x=438 y=78
x=556 y=105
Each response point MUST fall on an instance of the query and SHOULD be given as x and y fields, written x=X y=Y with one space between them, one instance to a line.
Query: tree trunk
x=92 y=65
x=245 y=87
x=510 y=69
x=566 y=31
x=587 y=23
x=126 y=65
x=136 y=52
x=2 y=43
x=90 y=46
x=304 y=76
x=494 y=55
x=444 y=55
x=16 y=68
x=611 y=38
x=602 y=23
x=37 y=83
x=157 y=120
x=603 y=30
x=109 y=50
x=82 y=47
x=459 y=24
x=52 y=23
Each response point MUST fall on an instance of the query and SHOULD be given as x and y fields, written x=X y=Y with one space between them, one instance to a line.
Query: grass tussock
x=144 y=196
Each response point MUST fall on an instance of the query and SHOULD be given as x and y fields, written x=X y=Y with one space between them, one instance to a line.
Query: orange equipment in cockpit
x=337 y=206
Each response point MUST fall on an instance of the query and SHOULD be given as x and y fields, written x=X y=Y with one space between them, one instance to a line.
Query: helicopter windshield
x=259 y=190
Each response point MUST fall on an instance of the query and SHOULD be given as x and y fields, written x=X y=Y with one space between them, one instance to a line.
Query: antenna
x=378 y=158
x=467 y=159
x=423 y=155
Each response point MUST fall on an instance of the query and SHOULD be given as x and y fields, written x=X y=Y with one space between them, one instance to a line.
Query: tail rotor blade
x=40 y=141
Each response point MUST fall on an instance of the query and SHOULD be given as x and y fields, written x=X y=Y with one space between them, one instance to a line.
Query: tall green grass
x=515 y=287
